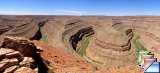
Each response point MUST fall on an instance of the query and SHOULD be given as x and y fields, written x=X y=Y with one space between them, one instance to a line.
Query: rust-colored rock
x=3 y=52
x=11 y=69
x=8 y=63
x=24 y=46
x=1 y=43
x=19 y=57
x=13 y=54
x=25 y=70
x=28 y=62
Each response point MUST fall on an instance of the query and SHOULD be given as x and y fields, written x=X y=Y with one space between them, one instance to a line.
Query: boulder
x=25 y=70
x=17 y=55
x=28 y=62
x=7 y=63
x=3 y=52
x=2 y=66
x=13 y=61
x=11 y=69
x=13 y=54
x=24 y=46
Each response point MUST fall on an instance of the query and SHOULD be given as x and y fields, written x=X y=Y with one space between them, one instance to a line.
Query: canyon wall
x=67 y=35
x=28 y=29
x=75 y=32
x=7 y=24
x=53 y=30
x=111 y=46
x=111 y=41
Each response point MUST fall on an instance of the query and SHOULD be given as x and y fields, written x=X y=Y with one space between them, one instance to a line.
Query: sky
x=80 y=7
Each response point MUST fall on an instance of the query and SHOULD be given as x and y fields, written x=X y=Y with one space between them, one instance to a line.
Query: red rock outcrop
x=24 y=46
x=16 y=56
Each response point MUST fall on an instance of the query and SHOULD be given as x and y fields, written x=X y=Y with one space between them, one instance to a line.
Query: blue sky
x=80 y=7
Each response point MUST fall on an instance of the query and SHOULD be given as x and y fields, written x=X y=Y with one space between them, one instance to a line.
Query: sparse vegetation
x=50 y=71
x=138 y=45
x=84 y=46
x=43 y=35
x=97 y=62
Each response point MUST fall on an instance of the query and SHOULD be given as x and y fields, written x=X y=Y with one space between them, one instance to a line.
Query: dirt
x=60 y=62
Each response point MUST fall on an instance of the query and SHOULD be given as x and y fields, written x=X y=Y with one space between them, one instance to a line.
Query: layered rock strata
x=62 y=35
x=7 y=24
x=53 y=30
x=16 y=54
x=24 y=46
x=147 y=29
x=75 y=32
x=27 y=30
x=111 y=41
x=81 y=34
x=111 y=46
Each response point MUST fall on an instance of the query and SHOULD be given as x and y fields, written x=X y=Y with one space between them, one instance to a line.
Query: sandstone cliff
x=28 y=30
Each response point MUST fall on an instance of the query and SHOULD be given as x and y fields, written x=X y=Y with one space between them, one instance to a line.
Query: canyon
x=108 y=42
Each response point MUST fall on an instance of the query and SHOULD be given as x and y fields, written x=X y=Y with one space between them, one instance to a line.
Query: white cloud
x=97 y=14
x=150 y=13
x=100 y=14
x=71 y=11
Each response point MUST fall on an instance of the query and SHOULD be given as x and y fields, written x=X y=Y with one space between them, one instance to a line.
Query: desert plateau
x=75 y=44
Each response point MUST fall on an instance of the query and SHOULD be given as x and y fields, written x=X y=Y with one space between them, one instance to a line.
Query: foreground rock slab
x=17 y=55
x=24 y=46
x=11 y=69
x=25 y=70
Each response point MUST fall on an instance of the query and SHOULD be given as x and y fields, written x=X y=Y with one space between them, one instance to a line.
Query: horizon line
x=66 y=15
